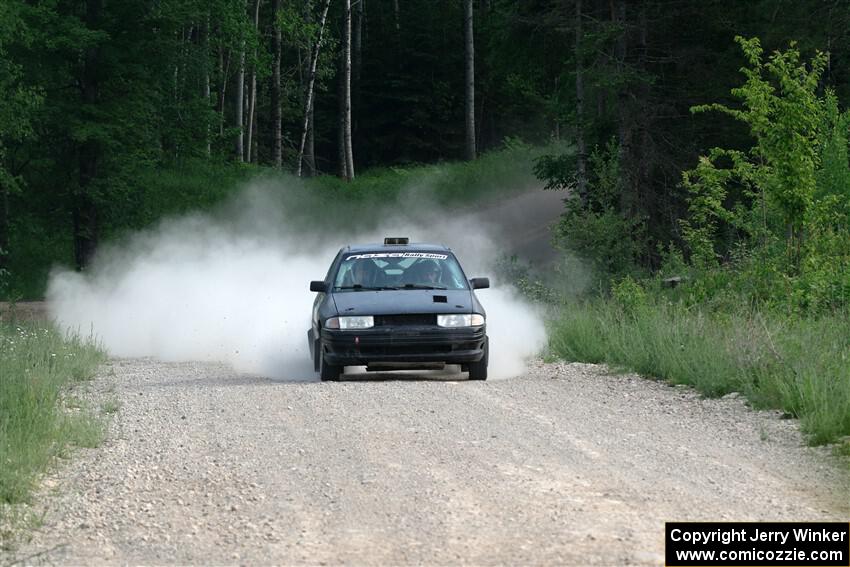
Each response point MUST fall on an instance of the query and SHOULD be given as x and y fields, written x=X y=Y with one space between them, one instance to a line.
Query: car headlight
x=466 y=320
x=350 y=323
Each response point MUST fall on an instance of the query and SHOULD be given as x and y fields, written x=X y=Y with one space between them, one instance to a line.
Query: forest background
x=702 y=147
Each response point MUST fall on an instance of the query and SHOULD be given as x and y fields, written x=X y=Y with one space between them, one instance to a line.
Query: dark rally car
x=397 y=306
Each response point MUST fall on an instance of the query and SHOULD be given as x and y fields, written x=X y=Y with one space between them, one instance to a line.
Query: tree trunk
x=252 y=139
x=581 y=157
x=4 y=234
x=238 y=107
x=485 y=123
x=205 y=79
x=84 y=213
x=253 y=94
x=239 y=103
x=645 y=158
x=309 y=146
x=624 y=128
x=346 y=121
x=342 y=165
x=308 y=103
x=277 y=135
x=359 y=14
x=186 y=48
x=223 y=71
x=470 y=80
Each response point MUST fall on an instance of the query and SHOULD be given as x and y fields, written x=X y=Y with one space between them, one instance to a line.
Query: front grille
x=410 y=320
x=404 y=349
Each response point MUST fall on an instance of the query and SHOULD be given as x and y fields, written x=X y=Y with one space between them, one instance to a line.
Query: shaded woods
x=107 y=104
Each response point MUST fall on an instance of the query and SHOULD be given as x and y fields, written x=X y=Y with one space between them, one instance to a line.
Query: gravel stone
x=567 y=464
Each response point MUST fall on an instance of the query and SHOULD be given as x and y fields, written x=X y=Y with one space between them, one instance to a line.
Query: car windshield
x=399 y=270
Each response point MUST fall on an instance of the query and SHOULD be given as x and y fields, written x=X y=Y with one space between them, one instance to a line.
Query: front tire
x=478 y=370
x=328 y=372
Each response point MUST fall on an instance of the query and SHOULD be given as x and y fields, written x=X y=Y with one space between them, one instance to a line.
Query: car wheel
x=478 y=370
x=328 y=372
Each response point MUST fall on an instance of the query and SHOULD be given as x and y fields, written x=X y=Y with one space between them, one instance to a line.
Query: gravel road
x=564 y=465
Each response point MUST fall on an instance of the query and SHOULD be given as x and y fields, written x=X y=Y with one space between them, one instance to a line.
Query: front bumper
x=403 y=344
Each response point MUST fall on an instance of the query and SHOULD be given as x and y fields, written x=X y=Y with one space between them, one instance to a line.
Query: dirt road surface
x=564 y=465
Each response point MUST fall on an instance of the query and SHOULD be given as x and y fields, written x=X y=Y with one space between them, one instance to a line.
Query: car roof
x=412 y=247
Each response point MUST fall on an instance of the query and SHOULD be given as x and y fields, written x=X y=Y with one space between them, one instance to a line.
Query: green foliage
x=604 y=237
x=708 y=186
x=511 y=270
x=833 y=177
x=151 y=193
x=493 y=174
x=595 y=229
x=630 y=296
x=179 y=188
x=784 y=113
x=792 y=186
x=19 y=100
x=558 y=171
x=299 y=31
x=38 y=365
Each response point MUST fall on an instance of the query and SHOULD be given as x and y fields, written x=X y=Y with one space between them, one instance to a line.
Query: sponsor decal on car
x=428 y=255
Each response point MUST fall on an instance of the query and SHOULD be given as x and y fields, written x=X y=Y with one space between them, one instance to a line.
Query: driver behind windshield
x=427 y=273
x=362 y=273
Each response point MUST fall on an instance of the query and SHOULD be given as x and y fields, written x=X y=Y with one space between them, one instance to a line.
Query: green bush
x=775 y=220
x=593 y=227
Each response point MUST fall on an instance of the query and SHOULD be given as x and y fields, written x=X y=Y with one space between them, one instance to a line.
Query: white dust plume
x=233 y=286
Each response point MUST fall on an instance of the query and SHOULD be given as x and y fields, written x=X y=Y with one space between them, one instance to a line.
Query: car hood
x=388 y=302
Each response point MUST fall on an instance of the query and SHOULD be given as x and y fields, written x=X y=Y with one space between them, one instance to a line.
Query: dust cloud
x=232 y=285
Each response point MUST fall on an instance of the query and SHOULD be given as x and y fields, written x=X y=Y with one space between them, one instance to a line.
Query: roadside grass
x=493 y=174
x=798 y=364
x=37 y=365
x=110 y=406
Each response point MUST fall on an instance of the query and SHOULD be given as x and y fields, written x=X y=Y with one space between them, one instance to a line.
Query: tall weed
x=798 y=364
x=37 y=364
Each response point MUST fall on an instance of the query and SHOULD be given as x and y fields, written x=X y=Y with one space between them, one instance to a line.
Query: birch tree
x=309 y=145
x=357 y=63
x=311 y=83
x=252 y=102
x=223 y=72
x=346 y=118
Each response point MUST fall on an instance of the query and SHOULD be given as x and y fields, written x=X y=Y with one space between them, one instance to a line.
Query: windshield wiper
x=423 y=286
x=358 y=287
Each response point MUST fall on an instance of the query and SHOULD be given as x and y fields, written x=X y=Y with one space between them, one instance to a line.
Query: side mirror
x=318 y=285
x=480 y=283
